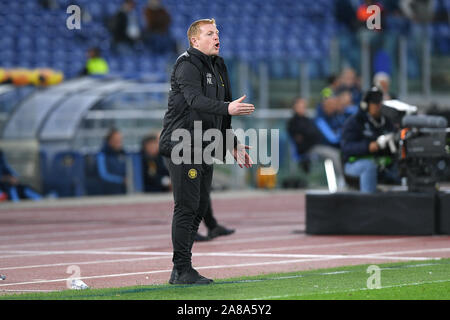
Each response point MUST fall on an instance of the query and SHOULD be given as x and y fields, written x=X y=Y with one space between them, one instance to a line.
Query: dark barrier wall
x=444 y=213
x=396 y=213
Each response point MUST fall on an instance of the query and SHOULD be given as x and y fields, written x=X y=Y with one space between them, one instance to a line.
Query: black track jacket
x=200 y=91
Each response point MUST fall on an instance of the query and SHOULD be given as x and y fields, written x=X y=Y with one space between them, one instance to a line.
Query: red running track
x=127 y=242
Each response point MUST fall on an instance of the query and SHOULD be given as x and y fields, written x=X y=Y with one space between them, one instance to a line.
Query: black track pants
x=191 y=184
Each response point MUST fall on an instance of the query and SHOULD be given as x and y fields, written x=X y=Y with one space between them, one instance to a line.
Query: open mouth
x=217 y=45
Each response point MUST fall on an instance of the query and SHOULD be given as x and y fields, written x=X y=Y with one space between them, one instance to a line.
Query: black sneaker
x=219 y=231
x=191 y=276
x=173 y=276
x=199 y=238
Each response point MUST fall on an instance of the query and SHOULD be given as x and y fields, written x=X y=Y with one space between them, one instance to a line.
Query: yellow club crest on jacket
x=192 y=173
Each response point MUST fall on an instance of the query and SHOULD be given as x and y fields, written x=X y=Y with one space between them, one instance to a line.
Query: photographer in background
x=365 y=144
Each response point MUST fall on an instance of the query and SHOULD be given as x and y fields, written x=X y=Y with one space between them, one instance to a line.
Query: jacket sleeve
x=326 y=131
x=103 y=171
x=352 y=141
x=189 y=80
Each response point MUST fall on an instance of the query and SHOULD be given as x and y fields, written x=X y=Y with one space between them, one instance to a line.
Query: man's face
x=115 y=141
x=330 y=105
x=348 y=78
x=384 y=84
x=375 y=110
x=300 y=107
x=207 y=41
x=345 y=99
x=152 y=148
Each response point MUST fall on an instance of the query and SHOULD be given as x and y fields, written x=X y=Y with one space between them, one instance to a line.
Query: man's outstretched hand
x=238 y=108
x=243 y=159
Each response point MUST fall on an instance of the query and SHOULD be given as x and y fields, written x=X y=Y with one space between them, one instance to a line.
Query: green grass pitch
x=410 y=280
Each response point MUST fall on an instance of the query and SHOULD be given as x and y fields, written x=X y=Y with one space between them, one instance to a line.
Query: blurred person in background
x=332 y=85
x=383 y=81
x=157 y=32
x=328 y=120
x=420 y=11
x=345 y=105
x=309 y=139
x=124 y=26
x=366 y=155
x=345 y=15
x=349 y=80
x=155 y=174
x=95 y=64
x=10 y=186
x=111 y=164
x=301 y=128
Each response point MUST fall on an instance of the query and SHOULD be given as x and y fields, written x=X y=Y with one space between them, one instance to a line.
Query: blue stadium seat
x=308 y=26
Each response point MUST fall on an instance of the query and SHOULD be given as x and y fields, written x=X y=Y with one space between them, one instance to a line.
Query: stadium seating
x=290 y=29
x=41 y=39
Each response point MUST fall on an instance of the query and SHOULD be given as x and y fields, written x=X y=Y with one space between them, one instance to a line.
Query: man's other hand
x=373 y=147
x=243 y=159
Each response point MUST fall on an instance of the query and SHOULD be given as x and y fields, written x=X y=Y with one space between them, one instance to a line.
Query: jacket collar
x=107 y=149
x=209 y=60
x=368 y=118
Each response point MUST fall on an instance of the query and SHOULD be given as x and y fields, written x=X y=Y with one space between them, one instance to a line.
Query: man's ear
x=193 y=41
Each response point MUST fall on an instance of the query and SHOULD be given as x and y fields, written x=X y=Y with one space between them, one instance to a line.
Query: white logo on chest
x=209 y=78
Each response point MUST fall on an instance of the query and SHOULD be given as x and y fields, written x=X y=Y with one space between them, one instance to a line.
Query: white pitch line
x=331 y=256
x=80 y=263
x=133 y=238
x=16 y=253
x=328 y=245
x=316 y=258
x=258 y=239
x=95 y=252
x=89 y=241
x=415 y=251
x=165 y=255
x=170 y=270
x=82 y=233
x=130 y=229
x=25 y=290
x=161 y=271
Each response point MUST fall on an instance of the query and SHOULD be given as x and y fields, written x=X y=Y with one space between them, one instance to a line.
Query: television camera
x=421 y=144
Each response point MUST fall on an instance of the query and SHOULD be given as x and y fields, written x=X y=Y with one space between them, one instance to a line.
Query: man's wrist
x=227 y=105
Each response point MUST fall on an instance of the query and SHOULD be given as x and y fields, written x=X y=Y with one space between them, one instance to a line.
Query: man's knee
x=186 y=208
x=369 y=166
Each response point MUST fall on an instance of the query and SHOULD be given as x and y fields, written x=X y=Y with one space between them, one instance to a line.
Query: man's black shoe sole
x=174 y=279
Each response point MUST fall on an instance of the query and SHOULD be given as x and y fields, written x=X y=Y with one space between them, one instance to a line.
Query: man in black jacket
x=200 y=91
x=364 y=144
